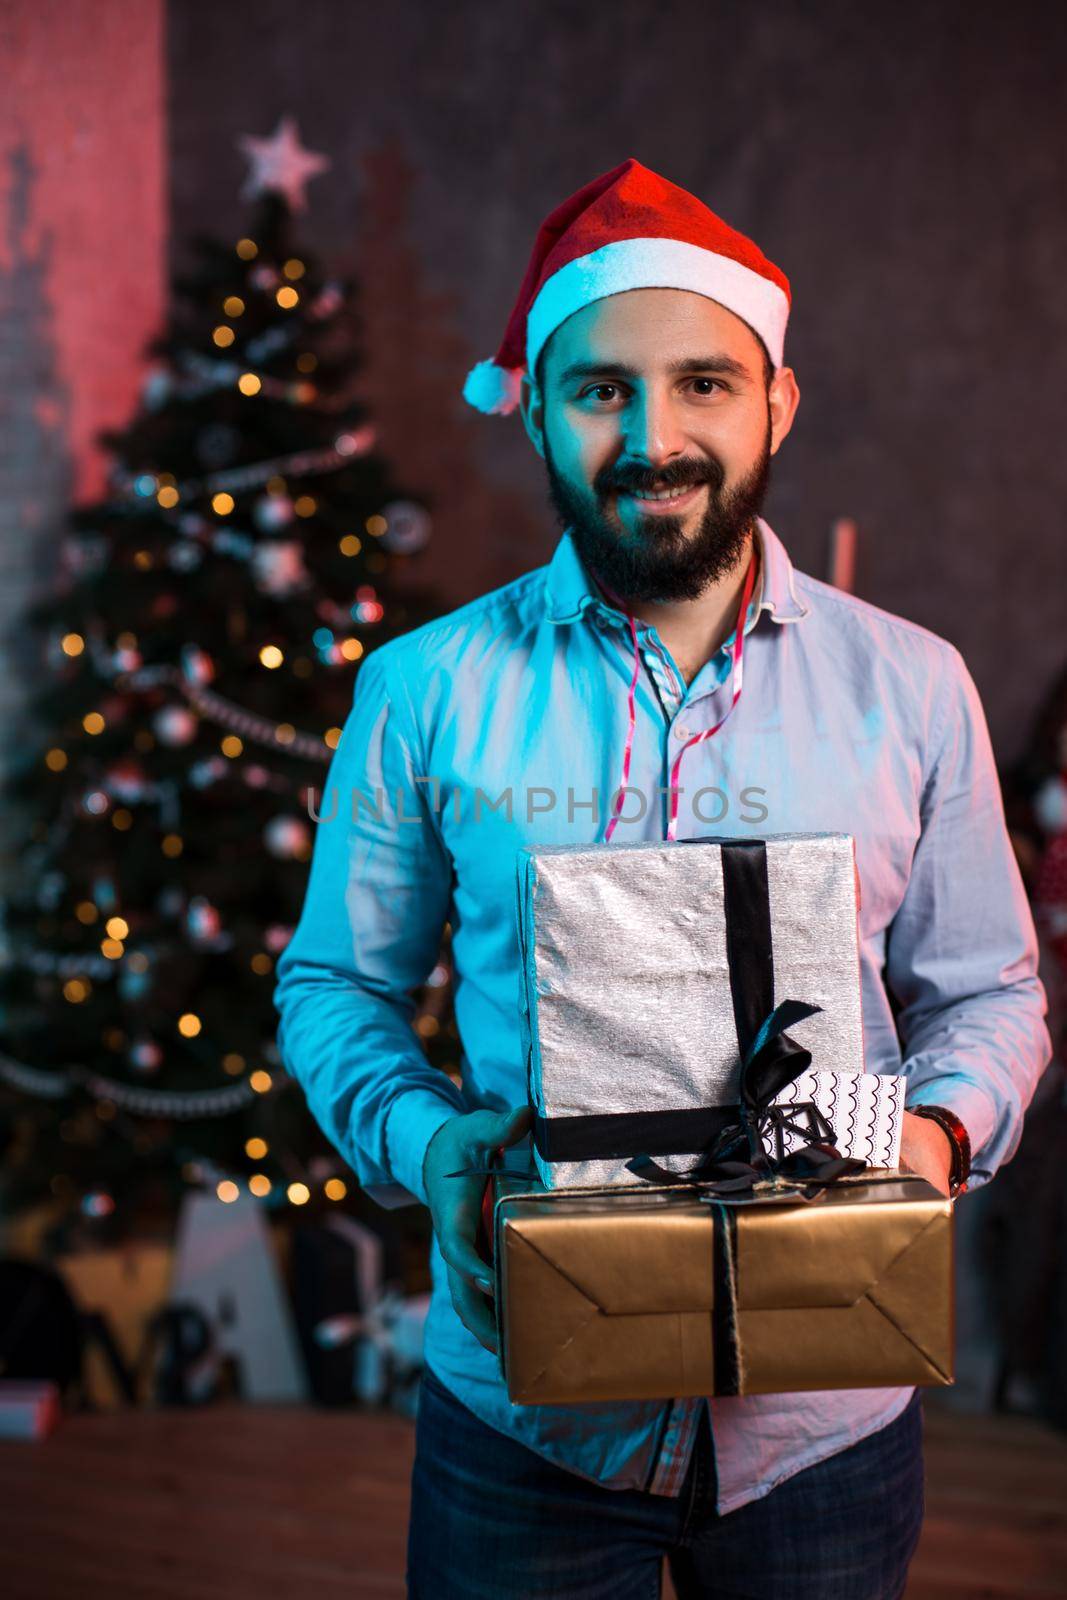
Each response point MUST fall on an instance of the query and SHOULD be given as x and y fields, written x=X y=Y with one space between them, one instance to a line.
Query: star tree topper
x=280 y=165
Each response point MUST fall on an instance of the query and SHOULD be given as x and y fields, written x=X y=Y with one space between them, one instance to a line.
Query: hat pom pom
x=492 y=388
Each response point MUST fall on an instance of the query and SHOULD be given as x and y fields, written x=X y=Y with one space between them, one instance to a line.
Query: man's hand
x=926 y=1149
x=455 y=1205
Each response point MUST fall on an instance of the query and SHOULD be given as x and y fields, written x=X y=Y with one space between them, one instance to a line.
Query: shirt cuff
x=413 y=1120
x=960 y=1096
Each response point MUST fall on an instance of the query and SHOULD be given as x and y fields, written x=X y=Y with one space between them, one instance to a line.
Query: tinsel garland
x=180 y=1105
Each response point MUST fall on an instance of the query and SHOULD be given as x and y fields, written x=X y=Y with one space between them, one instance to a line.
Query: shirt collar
x=569 y=591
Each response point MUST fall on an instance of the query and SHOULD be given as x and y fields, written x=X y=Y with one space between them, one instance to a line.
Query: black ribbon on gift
x=735 y=1159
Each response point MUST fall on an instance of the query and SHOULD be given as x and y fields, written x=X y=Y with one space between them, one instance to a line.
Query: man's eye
x=596 y=388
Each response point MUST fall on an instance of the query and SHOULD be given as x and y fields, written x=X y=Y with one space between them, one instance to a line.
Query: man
x=668 y=674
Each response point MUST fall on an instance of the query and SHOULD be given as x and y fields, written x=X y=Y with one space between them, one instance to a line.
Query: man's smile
x=665 y=502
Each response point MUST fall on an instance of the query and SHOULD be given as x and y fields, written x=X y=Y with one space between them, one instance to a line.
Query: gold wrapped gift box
x=643 y=1293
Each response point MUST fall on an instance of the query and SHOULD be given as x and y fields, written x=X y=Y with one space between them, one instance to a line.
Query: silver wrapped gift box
x=646 y=968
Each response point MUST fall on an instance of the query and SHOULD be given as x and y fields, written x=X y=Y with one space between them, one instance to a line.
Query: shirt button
x=681 y=733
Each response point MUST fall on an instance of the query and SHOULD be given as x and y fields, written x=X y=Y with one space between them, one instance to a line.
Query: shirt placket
x=671 y=1464
x=665 y=680
x=683 y=712
x=677 y=1446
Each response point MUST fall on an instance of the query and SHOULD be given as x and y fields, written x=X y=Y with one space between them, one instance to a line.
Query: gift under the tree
x=652 y=973
x=649 y=1292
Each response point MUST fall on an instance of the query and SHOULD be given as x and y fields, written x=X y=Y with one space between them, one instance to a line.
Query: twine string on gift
x=736 y=678
x=726 y=1347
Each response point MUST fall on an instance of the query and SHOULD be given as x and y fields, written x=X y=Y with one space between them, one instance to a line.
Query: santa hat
x=628 y=229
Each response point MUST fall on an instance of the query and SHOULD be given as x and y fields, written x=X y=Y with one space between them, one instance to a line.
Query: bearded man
x=669 y=650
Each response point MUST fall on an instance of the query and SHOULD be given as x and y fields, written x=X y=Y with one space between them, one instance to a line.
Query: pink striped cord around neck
x=736 y=676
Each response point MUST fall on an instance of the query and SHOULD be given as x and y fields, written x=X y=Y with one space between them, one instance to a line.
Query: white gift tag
x=866 y=1110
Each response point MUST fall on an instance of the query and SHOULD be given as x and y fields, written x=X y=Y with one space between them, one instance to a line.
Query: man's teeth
x=665 y=494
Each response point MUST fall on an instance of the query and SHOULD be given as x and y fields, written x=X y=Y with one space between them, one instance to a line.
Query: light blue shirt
x=850 y=719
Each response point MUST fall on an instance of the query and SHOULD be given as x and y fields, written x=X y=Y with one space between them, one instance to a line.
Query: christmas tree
x=199 y=654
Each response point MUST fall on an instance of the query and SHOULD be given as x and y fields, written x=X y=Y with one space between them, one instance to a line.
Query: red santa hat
x=628 y=229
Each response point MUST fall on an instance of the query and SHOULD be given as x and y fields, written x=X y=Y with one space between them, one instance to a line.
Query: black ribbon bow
x=736 y=1160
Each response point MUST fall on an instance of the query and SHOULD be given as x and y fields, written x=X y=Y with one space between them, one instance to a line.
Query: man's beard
x=659 y=561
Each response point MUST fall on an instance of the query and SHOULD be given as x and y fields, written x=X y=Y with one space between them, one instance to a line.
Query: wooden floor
x=276 y=1504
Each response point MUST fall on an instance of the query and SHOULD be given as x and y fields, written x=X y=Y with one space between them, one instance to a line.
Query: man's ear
x=783 y=397
x=532 y=411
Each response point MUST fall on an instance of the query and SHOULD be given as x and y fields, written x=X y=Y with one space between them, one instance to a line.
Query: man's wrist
x=414 y=1119
x=430 y=1141
x=958 y=1139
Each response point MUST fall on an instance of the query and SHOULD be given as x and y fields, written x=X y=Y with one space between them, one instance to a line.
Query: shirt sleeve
x=369 y=933
x=962 y=952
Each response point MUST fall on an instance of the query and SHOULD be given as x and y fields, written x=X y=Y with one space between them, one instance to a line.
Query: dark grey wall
x=905 y=165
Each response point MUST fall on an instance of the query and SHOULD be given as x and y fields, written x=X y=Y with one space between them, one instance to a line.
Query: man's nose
x=652 y=430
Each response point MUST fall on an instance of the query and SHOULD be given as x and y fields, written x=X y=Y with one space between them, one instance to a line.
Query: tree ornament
x=272 y=511
x=280 y=164
x=408 y=527
x=126 y=659
x=197 y=665
x=204 y=924
x=156 y=387
x=356 y=443
x=328 y=300
x=202 y=774
x=132 y=983
x=264 y=276
x=184 y=556
x=279 y=567
x=50 y=890
x=85 y=554
x=175 y=725
x=103 y=895
x=145 y=1056
x=170 y=901
x=126 y=780
x=287 y=838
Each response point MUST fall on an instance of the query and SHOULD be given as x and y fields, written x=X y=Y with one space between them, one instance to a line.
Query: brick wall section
x=83 y=231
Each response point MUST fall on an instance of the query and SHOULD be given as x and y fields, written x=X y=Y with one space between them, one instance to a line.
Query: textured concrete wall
x=905 y=164
x=83 y=217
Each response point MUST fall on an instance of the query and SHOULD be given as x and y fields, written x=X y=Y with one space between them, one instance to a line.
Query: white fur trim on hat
x=658 y=264
x=493 y=389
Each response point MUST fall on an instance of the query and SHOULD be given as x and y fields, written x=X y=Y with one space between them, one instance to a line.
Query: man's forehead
x=655 y=330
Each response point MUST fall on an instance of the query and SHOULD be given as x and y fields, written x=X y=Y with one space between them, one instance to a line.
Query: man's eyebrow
x=618 y=369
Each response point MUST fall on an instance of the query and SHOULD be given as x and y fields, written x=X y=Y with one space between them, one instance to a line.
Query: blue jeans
x=492 y=1519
